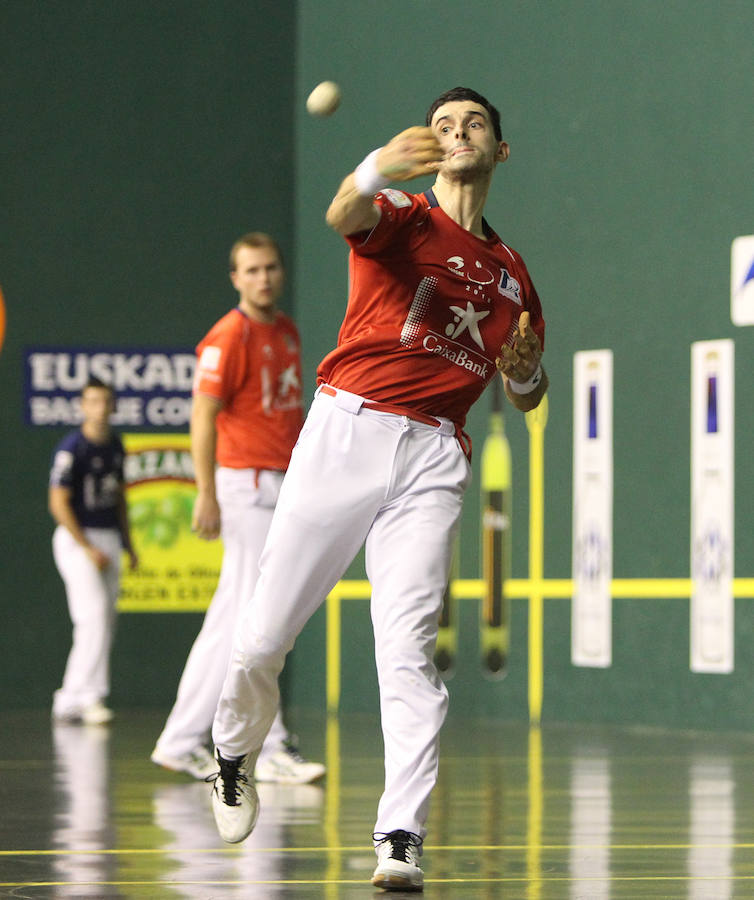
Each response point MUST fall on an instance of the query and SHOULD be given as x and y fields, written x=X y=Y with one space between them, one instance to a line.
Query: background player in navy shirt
x=86 y=500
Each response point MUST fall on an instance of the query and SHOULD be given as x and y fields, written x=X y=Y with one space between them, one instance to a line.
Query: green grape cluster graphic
x=161 y=521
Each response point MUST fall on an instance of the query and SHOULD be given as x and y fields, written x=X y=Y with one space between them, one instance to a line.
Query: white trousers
x=92 y=595
x=358 y=475
x=247 y=499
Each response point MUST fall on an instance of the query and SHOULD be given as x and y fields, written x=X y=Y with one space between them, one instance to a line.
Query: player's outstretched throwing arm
x=408 y=155
x=520 y=366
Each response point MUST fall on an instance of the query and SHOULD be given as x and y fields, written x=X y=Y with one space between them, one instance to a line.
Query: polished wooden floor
x=557 y=812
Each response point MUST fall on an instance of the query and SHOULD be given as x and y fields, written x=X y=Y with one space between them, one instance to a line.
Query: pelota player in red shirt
x=246 y=416
x=438 y=303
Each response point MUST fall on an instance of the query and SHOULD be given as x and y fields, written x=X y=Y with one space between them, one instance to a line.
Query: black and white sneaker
x=287 y=766
x=234 y=799
x=199 y=763
x=397 y=861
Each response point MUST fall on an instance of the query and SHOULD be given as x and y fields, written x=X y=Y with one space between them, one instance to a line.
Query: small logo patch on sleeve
x=62 y=467
x=210 y=358
x=397 y=198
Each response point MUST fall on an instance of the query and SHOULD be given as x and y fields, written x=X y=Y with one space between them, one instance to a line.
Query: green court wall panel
x=629 y=176
x=148 y=657
x=359 y=689
x=649 y=681
x=160 y=132
x=305 y=674
x=469 y=689
x=140 y=139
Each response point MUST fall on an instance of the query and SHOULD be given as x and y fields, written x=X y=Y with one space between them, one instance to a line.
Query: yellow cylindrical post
x=332 y=686
x=536 y=420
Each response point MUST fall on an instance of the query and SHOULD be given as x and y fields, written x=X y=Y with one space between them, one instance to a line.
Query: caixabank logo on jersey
x=152 y=387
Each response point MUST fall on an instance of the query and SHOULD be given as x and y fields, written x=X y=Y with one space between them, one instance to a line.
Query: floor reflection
x=83 y=820
x=591 y=802
x=183 y=813
x=712 y=826
x=519 y=814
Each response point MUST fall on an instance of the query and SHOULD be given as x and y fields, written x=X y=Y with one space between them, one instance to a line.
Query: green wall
x=630 y=173
x=141 y=138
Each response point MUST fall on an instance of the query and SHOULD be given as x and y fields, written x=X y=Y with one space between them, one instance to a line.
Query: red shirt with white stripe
x=430 y=306
x=254 y=370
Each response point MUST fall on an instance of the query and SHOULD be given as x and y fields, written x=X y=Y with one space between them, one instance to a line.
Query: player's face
x=258 y=278
x=466 y=134
x=96 y=407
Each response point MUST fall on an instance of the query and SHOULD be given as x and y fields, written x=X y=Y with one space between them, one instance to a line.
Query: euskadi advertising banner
x=177 y=571
x=153 y=387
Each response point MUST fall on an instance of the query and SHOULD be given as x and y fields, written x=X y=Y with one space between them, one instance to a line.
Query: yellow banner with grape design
x=177 y=571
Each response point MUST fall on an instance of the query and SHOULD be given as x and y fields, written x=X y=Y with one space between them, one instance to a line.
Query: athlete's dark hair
x=95 y=382
x=463 y=93
x=254 y=239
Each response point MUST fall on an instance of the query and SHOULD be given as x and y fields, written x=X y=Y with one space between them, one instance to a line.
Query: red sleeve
x=397 y=210
x=531 y=300
x=219 y=363
x=535 y=314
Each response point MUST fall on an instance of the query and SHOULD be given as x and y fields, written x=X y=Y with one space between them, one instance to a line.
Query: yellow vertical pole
x=332 y=809
x=536 y=420
x=332 y=749
x=535 y=815
x=332 y=685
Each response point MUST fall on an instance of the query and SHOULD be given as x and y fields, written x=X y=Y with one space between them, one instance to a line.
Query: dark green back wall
x=630 y=174
x=139 y=140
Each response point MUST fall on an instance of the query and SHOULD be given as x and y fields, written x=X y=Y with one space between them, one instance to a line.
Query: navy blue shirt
x=94 y=474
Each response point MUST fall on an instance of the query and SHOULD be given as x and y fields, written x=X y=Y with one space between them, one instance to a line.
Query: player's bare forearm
x=61 y=509
x=125 y=530
x=123 y=524
x=205 y=520
x=527 y=402
x=351 y=212
x=204 y=412
x=414 y=152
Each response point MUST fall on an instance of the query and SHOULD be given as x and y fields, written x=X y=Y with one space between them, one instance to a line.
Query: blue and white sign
x=592 y=565
x=742 y=280
x=152 y=387
x=712 y=506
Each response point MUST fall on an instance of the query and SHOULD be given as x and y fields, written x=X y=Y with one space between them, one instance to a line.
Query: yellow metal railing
x=536 y=588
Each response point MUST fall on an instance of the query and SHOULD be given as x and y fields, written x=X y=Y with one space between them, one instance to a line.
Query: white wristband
x=526 y=387
x=367 y=178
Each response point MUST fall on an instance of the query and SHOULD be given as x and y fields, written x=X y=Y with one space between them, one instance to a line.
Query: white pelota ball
x=324 y=99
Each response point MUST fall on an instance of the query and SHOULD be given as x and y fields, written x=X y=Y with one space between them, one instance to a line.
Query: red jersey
x=430 y=307
x=254 y=370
